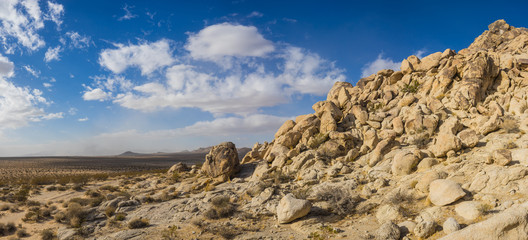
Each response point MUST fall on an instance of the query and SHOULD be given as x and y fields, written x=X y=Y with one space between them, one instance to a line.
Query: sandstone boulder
x=404 y=162
x=468 y=137
x=469 y=210
x=444 y=191
x=222 y=161
x=445 y=142
x=290 y=208
x=388 y=231
x=177 y=168
x=502 y=157
x=510 y=224
x=450 y=225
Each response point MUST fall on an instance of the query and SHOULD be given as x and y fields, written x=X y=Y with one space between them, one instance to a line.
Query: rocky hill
x=437 y=150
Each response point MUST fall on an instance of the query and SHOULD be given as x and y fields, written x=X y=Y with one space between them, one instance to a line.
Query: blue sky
x=103 y=77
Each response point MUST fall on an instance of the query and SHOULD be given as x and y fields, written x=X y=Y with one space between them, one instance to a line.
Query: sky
x=103 y=77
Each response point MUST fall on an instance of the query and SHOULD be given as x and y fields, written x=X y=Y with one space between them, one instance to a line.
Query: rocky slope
x=437 y=150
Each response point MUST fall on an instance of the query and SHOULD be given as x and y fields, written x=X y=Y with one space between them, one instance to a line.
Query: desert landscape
x=437 y=150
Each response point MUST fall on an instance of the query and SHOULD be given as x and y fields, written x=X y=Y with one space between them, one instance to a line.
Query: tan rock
x=289 y=139
x=469 y=210
x=404 y=162
x=360 y=114
x=407 y=100
x=406 y=67
x=222 y=161
x=444 y=191
x=397 y=125
x=387 y=213
x=286 y=126
x=445 y=142
x=491 y=125
x=450 y=225
x=395 y=77
x=290 y=208
x=468 y=137
x=502 y=157
x=427 y=178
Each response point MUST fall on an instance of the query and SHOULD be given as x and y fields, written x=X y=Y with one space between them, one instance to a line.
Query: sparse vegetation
x=48 y=234
x=221 y=207
x=138 y=223
x=411 y=87
x=343 y=203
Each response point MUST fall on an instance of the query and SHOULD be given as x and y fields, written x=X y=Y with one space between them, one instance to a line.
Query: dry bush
x=221 y=207
x=510 y=125
x=4 y=207
x=109 y=211
x=22 y=233
x=343 y=202
x=120 y=217
x=76 y=214
x=7 y=229
x=138 y=223
x=48 y=234
x=109 y=188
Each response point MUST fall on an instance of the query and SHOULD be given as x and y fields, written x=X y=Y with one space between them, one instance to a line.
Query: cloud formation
x=148 y=57
x=379 y=64
x=256 y=79
x=52 y=54
x=20 y=21
x=216 y=42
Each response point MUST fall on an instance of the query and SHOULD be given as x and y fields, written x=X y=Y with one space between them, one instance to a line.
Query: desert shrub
x=109 y=188
x=109 y=211
x=80 y=201
x=4 y=207
x=342 y=202
x=22 y=233
x=170 y=233
x=7 y=229
x=77 y=187
x=510 y=125
x=48 y=234
x=76 y=214
x=62 y=188
x=60 y=217
x=32 y=203
x=120 y=217
x=317 y=140
x=51 y=188
x=411 y=87
x=221 y=207
x=22 y=194
x=92 y=193
x=138 y=223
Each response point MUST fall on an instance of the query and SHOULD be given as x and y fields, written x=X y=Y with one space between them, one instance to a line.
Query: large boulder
x=290 y=208
x=404 y=162
x=510 y=224
x=388 y=231
x=222 y=161
x=445 y=142
x=445 y=191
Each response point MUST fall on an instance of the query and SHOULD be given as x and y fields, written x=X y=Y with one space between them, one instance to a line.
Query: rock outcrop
x=222 y=161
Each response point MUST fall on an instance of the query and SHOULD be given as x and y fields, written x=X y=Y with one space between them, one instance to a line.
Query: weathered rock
x=222 y=161
x=397 y=125
x=286 y=126
x=468 y=137
x=510 y=224
x=426 y=164
x=387 y=213
x=289 y=139
x=450 y=225
x=425 y=225
x=290 y=208
x=502 y=157
x=406 y=67
x=445 y=142
x=469 y=210
x=404 y=162
x=177 y=168
x=360 y=114
x=423 y=184
x=388 y=231
x=445 y=191
x=491 y=125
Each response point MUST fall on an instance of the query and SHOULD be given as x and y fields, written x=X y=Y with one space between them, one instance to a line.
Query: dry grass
x=138 y=223
x=343 y=203
x=221 y=207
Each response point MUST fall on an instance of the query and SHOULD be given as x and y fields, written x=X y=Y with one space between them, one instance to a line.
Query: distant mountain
x=129 y=153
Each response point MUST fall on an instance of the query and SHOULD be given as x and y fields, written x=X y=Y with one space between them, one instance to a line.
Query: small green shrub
x=411 y=87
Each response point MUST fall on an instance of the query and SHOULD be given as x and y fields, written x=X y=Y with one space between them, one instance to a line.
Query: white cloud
x=420 y=53
x=379 y=64
x=244 y=89
x=19 y=106
x=95 y=94
x=47 y=85
x=56 y=11
x=20 y=21
x=52 y=54
x=83 y=119
x=32 y=71
x=218 y=41
x=148 y=57
x=50 y=116
x=78 y=40
x=128 y=14
x=255 y=14
x=73 y=111
x=6 y=67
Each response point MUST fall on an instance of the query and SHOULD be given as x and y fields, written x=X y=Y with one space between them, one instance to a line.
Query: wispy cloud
x=255 y=14
x=379 y=64
x=52 y=54
x=128 y=14
x=32 y=71
x=83 y=119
